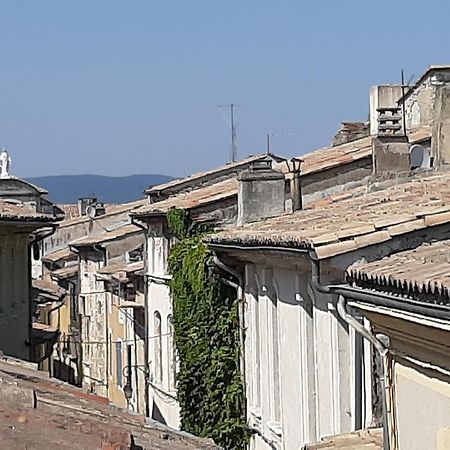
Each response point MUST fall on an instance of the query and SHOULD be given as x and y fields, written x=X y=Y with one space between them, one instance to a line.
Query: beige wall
x=422 y=408
x=15 y=319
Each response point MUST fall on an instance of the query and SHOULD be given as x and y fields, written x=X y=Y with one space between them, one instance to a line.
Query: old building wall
x=15 y=300
x=92 y=305
x=382 y=96
x=440 y=148
x=116 y=251
x=300 y=371
x=117 y=346
x=135 y=336
x=163 y=406
x=419 y=364
x=72 y=229
x=322 y=184
x=419 y=105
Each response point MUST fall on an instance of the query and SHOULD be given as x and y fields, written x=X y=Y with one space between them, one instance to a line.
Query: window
x=171 y=353
x=157 y=346
x=129 y=370
x=119 y=364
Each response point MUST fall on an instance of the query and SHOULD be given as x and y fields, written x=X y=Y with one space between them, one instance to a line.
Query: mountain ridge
x=107 y=189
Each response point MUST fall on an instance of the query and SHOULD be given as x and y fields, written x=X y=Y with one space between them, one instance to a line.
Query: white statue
x=5 y=163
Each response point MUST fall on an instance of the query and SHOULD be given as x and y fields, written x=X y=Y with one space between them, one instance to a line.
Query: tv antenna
x=231 y=124
x=272 y=134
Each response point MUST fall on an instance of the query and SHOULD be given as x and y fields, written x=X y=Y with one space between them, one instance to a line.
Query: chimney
x=350 y=131
x=84 y=202
x=384 y=109
x=261 y=192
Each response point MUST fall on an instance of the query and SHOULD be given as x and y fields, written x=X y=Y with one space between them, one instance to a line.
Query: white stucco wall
x=162 y=389
x=314 y=362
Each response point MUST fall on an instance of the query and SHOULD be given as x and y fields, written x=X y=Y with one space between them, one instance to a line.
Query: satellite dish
x=91 y=212
x=419 y=156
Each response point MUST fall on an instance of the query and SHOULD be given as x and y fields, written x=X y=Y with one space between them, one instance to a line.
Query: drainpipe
x=359 y=328
x=147 y=320
x=240 y=293
x=34 y=240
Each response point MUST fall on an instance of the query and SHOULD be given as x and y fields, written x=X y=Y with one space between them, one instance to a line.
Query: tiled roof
x=330 y=157
x=107 y=236
x=111 y=210
x=39 y=412
x=351 y=224
x=371 y=439
x=65 y=254
x=430 y=69
x=192 y=199
x=425 y=269
x=419 y=135
x=48 y=288
x=179 y=183
x=120 y=270
x=22 y=213
x=65 y=272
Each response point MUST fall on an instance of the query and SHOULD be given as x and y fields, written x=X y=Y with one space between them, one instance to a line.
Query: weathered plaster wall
x=92 y=298
x=300 y=360
x=336 y=180
x=423 y=408
x=390 y=156
x=419 y=105
x=255 y=186
x=382 y=96
x=440 y=149
x=15 y=318
x=160 y=339
x=73 y=229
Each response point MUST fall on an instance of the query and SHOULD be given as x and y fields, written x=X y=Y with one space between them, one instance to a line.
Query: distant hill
x=69 y=188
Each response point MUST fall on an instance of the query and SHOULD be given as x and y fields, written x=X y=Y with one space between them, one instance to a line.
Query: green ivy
x=206 y=324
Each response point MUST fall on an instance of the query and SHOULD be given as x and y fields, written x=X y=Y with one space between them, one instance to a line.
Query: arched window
x=157 y=345
x=171 y=353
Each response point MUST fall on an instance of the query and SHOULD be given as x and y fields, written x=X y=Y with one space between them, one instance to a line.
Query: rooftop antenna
x=271 y=134
x=403 y=102
x=231 y=124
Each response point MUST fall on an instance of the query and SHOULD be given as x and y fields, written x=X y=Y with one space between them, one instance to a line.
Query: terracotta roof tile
x=192 y=199
x=39 y=412
x=107 y=236
x=65 y=254
x=48 y=287
x=329 y=157
x=111 y=210
x=16 y=212
x=65 y=272
x=405 y=207
x=178 y=183
x=420 y=270
x=370 y=439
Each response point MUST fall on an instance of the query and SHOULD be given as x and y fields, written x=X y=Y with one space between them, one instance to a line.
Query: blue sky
x=122 y=87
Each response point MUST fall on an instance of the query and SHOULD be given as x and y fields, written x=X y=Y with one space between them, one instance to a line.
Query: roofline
x=233 y=165
x=104 y=241
x=430 y=69
x=156 y=213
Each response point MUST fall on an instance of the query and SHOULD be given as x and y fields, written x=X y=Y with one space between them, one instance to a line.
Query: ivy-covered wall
x=206 y=324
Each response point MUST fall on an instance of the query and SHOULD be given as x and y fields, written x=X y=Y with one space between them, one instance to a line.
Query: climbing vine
x=206 y=325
